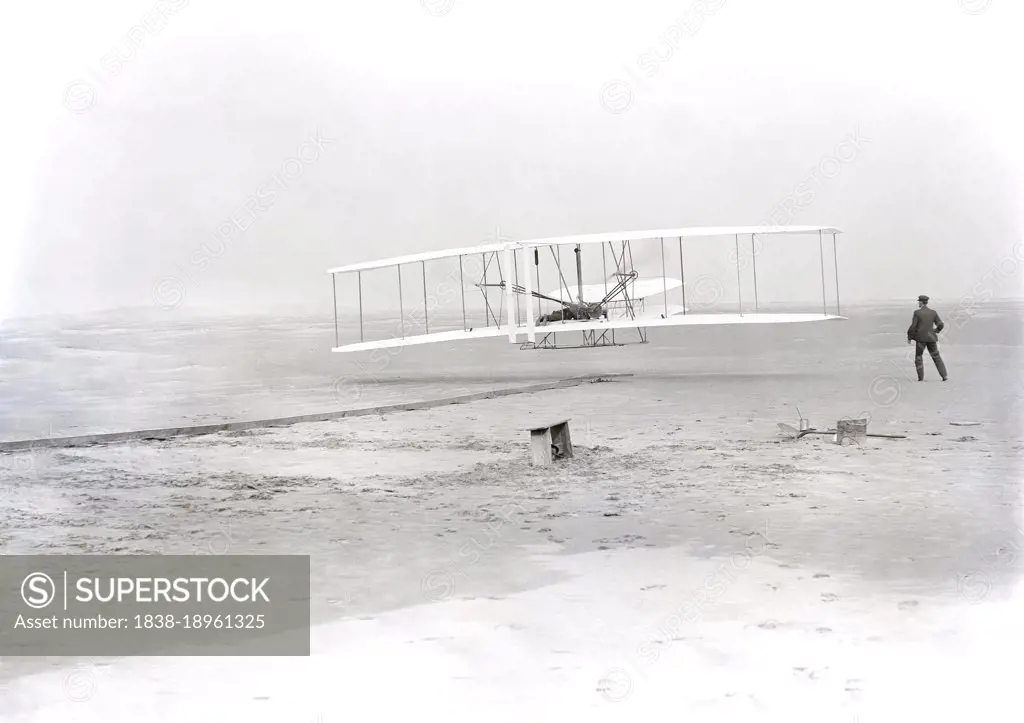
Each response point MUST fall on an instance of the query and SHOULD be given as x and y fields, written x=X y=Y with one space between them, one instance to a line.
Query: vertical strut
x=519 y=305
x=426 y=322
x=530 y=328
x=682 y=276
x=604 y=270
x=510 y=259
x=536 y=266
x=664 y=279
x=739 y=289
x=625 y=294
x=359 y=278
x=562 y=291
x=604 y=273
x=501 y=287
x=753 y=257
x=334 y=294
x=487 y=305
x=401 y=306
x=579 y=275
x=821 y=256
x=835 y=260
x=462 y=285
x=561 y=288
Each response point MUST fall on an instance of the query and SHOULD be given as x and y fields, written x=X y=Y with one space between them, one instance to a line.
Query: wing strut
x=483 y=290
x=536 y=265
x=835 y=261
x=462 y=288
x=604 y=269
x=558 y=267
x=510 y=258
x=530 y=330
x=664 y=278
x=753 y=257
x=579 y=275
x=401 y=309
x=821 y=255
x=682 y=274
x=426 y=321
x=515 y=270
x=359 y=277
x=739 y=287
x=334 y=290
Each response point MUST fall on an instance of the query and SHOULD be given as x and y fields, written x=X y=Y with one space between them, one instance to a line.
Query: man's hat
x=923 y=298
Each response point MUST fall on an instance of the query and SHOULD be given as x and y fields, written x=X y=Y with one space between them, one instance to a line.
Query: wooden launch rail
x=195 y=431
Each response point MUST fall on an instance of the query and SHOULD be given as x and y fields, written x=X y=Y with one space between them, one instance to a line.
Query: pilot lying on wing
x=572 y=312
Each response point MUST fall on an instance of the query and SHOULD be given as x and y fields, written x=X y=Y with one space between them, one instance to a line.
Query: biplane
x=588 y=314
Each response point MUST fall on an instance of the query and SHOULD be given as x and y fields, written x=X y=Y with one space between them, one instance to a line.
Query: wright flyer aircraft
x=504 y=280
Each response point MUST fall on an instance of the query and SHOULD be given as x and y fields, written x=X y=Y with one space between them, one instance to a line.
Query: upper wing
x=671 y=233
x=415 y=258
x=703 y=231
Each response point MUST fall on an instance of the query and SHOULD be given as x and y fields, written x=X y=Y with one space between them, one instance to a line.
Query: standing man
x=921 y=330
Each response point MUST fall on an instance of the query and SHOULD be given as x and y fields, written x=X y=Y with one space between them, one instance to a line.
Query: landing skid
x=591 y=339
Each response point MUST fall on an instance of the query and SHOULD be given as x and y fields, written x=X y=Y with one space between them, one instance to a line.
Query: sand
x=449 y=577
x=688 y=562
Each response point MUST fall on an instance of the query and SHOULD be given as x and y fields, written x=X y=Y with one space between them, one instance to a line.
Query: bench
x=550 y=442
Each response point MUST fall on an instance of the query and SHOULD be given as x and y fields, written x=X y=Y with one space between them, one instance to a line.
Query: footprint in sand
x=819 y=575
x=829 y=596
x=907 y=605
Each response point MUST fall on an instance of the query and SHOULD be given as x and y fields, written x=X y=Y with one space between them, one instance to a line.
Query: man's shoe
x=945 y=378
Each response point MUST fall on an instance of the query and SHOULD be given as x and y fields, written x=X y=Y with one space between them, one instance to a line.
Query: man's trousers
x=933 y=349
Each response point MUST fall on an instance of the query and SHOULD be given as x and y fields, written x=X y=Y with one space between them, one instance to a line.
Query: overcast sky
x=428 y=125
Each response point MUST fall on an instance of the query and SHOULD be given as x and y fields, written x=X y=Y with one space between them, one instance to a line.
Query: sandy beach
x=687 y=559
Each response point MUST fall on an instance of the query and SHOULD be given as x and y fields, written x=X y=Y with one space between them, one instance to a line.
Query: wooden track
x=194 y=431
